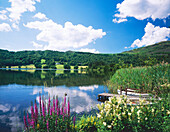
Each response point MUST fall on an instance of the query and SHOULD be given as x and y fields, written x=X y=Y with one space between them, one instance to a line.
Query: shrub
x=119 y=114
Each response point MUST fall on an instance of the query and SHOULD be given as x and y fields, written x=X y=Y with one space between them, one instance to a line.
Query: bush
x=67 y=66
x=119 y=114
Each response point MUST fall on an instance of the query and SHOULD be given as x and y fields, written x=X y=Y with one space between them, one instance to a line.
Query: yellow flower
x=38 y=125
x=94 y=123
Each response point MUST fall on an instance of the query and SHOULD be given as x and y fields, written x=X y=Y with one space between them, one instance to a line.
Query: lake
x=19 y=87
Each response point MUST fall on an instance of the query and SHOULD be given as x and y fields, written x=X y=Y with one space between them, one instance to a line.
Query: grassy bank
x=146 y=79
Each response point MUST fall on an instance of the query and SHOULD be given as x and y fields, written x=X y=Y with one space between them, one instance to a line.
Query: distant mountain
x=162 y=48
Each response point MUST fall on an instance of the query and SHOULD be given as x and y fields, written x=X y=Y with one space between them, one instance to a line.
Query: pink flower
x=68 y=107
x=43 y=109
x=51 y=110
x=40 y=102
x=64 y=101
x=48 y=109
x=36 y=110
x=47 y=125
x=25 y=122
x=29 y=122
x=54 y=105
x=74 y=120
x=56 y=102
x=32 y=111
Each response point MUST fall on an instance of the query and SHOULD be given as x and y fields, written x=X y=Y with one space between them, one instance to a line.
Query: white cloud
x=2 y=15
x=5 y=27
x=40 y=16
x=142 y=9
x=5 y=108
x=64 y=37
x=20 y=6
x=153 y=34
x=89 y=50
x=86 y=88
x=36 y=45
x=119 y=20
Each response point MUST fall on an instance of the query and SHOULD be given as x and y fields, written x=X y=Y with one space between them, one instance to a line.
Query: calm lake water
x=19 y=88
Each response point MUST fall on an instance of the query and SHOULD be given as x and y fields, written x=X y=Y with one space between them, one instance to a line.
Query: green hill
x=136 y=57
x=162 y=48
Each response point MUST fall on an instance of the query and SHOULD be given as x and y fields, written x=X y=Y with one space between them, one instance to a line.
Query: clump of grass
x=145 y=79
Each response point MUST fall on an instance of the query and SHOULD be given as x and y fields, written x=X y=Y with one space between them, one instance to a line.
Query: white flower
x=146 y=118
x=109 y=126
x=104 y=123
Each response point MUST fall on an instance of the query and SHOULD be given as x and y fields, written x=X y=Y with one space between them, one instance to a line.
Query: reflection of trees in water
x=50 y=78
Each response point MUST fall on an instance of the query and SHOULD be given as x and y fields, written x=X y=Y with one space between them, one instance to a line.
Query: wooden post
x=126 y=91
x=121 y=90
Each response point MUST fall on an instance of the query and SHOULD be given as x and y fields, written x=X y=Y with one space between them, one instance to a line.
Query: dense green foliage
x=151 y=78
x=162 y=48
x=8 y=58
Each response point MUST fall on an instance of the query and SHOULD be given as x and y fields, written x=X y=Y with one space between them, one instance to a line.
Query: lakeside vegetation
x=56 y=59
x=152 y=79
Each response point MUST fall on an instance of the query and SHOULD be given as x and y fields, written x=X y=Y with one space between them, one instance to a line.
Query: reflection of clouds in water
x=37 y=90
x=80 y=101
x=5 y=108
x=88 y=87
x=11 y=117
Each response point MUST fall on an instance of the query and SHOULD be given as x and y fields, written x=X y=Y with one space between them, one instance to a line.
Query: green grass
x=60 y=66
x=142 y=78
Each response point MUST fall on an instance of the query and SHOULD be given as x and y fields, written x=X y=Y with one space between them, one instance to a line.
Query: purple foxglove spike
x=49 y=101
x=51 y=110
x=29 y=122
x=65 y=110
x=64 y=101
x=36 y=110
x=25 y=122
x=68 y=107
x=43 y=109
x=74 y=120
x=56 y=122
x=56 y=103
x=47 y=125
x=32 y=123
x=40 y=102
x=32 y=111
x=58 y=111
x=63 y=117
x=61 y=111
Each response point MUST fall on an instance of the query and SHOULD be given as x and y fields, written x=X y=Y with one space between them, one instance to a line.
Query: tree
x=67 y=66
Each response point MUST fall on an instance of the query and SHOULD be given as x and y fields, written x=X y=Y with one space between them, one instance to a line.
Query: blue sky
x=99 y=26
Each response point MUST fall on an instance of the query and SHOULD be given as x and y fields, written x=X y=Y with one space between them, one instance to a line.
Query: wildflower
x=32 y=111
x=53 y=105
x=29 y=122
x=74 y=120
x=64 y=101
x=36 y=110
x=57 y=102
x=104 y=123
x=25 y=123
x=49 y=101
x=146 y=118
x=68 y=107
x=109 y=126
x=40 y=102
x=47 y=125
x=38 y=126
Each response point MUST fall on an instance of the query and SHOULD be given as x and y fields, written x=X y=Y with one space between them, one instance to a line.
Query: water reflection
x=18 y=89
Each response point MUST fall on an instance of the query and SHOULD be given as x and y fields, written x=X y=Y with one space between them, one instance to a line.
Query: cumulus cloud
x=89 y=50
x=40 y=16
x=60 y=37
x=14 y=13
x=36 y=45
x=5 y=27
x=153 y=34
x=142 y=9
x=3 y=15
x=20 y=6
